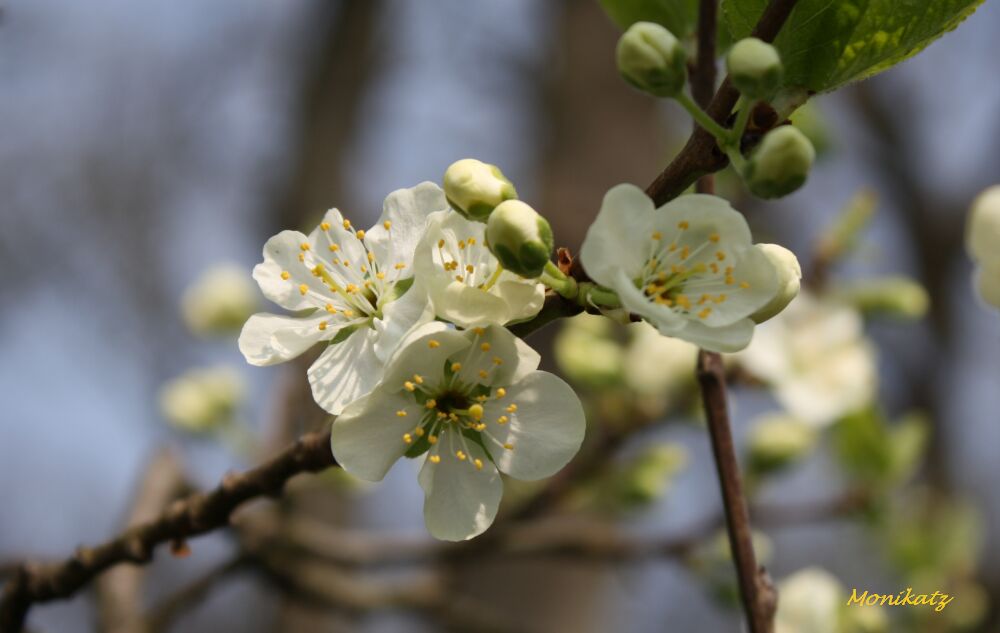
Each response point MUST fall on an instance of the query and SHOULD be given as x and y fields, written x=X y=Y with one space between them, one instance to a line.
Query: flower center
x=690 y=279
x=469 y=262
x=454 y=408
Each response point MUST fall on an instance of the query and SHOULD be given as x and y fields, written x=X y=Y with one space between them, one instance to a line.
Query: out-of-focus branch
x=119 y=592
x=197 y=514
x=160 y=618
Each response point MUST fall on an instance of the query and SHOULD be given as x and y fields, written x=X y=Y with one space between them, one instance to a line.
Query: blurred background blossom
x=145 y=143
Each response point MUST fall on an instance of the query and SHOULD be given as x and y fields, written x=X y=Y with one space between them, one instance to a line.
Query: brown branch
x=120 y=590
x=195 y=515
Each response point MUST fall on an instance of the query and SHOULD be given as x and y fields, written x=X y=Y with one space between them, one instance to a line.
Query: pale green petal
x=367 y=438
x=268 y=339
x=725 y=339
x=461 y=501
x=545 y=431
x=467 y=307
x=988 y=283
x=617 y=239
x=407 y=211
x=281 y=255
x=346 y=371
x=398 y=318
x=516 y=358
x=524 y=298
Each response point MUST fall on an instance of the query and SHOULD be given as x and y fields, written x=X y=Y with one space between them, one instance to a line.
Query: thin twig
x=189 y=517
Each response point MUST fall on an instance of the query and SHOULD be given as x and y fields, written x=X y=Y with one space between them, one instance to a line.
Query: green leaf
x=828 y=43
x=678 y=16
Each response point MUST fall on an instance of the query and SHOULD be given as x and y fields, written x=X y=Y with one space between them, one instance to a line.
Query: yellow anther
x=329 y=308
x=662 y=275
x=400 y=266
x=483 y=373
x=469 y=268
x=409 y=386
x=285 y=275
x=380 y=275
x=744 y=284
x=685 y=252
x=407 y=438
x=361 y=235
x=714 y=238
x=700 y=267
x=476 y=412
x=730 y=280
x=456 y=366
x=460 y=455
x=461 y=244
x=347 y=224
x=480 y=427
x=497 y=360
x=435 y=459
x=433 y=439
x=672 y=247
x=502 y=419
x=501 y=392
x=703 y=299
x=719 y=255
x=400 y=414
x=472 y=241
x=322 y=325
x=371 y=257
x=419 y=432
x=430 y=404
x=730 y=270
x=364 y=269
x=348 y=313
x=441 y=243
x=714 y=267
x=479 y=464
x=511 y=408
x=719 y=299
x=345 y=264
x=325 y=226
x=433 y=344
x=485 y=347
x=304 y=246
x=479 y=331
x=657 y=236
x=453 y=417
x=682 y=225
x=509 y=446
x=417 y=378
x=387 y=225
x=459 y=278
x=334 y=248
x=303 y=288
x=302 y=257
x=704 y=313
x=481 y=398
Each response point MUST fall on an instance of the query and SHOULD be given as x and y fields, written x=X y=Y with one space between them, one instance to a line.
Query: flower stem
x=702 y=118
x=558 y=281
x=493 y=279
x=742 y=118
x=591 y=294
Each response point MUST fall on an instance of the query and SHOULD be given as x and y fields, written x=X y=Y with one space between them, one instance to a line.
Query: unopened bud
x=475 y=188
x=982 y=233
x=220 y=301
x=786 y=267
x=520 y=238
x=894 y=296
x=651 y=59
x=755 y=68
x=777 y=441
x=780 y=164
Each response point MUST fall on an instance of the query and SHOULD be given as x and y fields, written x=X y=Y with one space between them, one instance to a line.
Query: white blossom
x=689 y=268
x=464 y=281
x=810 y=602
x=475 y=405
x=202 y=399
x=219 y=301
x=982 y=240
x=350 y=289
x=816 y=358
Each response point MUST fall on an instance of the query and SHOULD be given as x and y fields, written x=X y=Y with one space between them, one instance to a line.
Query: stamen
x=325 y=226
x=360 y=235
x=435 y=459
x=303 y=288
x=322 y=325
x=334 y=248
x=409 y=386
x=433 y=439
x=460 y=455
x=456 y=366
x=387 y=225
x=479 y=464
x=501 y=392
x=502 y=419
x=511 y=408
x=407 y=438
x=347 y=224
x=304 y=246
x=433 y=344
x=657 y=236
x=683 y=225
x=401 y=414
x=476 y=412
x=417 y=378
x=485 y=347
x=285 y=275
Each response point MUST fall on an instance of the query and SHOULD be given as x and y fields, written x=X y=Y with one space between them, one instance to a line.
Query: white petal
x=406 y=210
x=281 y=255
x=348 y=246
x=617 y=240
x=460 y=500
x=516 y=358
x=399 y=317
x=268 y=339
x=704 y=215
x=546 y=430
x=725 y=339
x=524 y=298
x=751 y=267
x=346 y=371
x=424 y=352
x=467 y=307
x=367 y=438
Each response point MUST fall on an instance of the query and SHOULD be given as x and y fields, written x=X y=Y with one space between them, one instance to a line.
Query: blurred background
x=142 y=144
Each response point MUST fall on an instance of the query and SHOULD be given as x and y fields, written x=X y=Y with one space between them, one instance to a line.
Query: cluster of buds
x=517 y=235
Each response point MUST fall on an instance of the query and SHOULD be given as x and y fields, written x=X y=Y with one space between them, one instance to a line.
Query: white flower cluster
x=416 y=360
x=982 y=240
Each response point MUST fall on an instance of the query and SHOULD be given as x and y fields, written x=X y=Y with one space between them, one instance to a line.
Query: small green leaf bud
x=475 y=188
x=754 y=68
x=777 y=441
x=786 y=266
x=520 y=238
x=780 y=164
x=651 y=59
x=892 y=296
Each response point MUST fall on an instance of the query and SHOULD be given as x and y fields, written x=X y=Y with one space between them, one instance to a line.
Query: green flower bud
x=893 y=296
x=982 y=232
x=475 y=188
x=780 y=164
x=520 y=238
x=202 y=400
x=220 y=301
x=754 y=68
x=587 y=353
x=651 y=59
x=786 y=266
x=777 y=441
